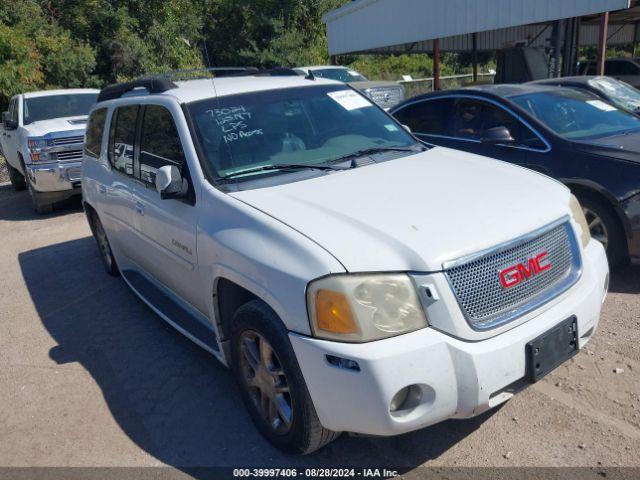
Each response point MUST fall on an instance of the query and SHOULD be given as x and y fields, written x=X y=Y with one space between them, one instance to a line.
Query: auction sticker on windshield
x=599 y=104
x=349 y=100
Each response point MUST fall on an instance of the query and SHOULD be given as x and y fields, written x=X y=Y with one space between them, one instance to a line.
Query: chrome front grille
x=476 y=280
x=67 y=140
x=69 y=155
x=386 y=97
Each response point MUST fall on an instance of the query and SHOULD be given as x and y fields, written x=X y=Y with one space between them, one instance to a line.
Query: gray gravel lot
x=89 y=376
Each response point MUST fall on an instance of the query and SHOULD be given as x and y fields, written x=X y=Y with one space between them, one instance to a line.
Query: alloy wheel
x=266 y=381
x=597 y=227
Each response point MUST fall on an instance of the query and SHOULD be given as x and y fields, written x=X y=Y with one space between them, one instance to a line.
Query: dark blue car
x=580 y=139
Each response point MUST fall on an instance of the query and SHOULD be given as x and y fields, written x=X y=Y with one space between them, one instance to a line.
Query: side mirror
x=8 y=123
x=170 y=184
x=497 y=136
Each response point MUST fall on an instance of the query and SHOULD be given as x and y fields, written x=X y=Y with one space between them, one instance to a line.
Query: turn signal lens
x=333 y=313
x=578 y=216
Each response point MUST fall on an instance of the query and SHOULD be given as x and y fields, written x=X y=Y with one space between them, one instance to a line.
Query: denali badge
x=516 y=274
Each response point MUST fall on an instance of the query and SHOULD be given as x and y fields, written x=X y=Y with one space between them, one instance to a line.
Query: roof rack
x=152 y=84
x=162 y=82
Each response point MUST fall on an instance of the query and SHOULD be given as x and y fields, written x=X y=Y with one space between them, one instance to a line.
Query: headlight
x=362 y=308
x=36 y=145
x=578 y=216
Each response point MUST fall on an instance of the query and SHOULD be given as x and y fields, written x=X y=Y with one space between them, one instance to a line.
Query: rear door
x=115 y=191
x=166 y=228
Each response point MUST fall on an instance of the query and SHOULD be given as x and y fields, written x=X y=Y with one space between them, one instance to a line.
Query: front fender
x=260 y=254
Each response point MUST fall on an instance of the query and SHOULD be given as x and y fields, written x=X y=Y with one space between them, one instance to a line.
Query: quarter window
x=430 y=117
x=95 y=128
x=123 y=134
x=159 y=143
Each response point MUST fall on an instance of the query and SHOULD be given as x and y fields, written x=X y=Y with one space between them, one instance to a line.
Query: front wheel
x=605 y=228
x=16 y=178
x=39 y=204
x=271 y=383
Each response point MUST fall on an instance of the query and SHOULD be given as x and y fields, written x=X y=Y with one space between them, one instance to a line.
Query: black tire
x=304 y=434
x=603 y=221
x=106 y=254
x=16 y=178
x=39 y=205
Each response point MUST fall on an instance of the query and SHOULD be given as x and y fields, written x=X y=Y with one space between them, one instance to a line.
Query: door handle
x=140 y=208
x=102 y=189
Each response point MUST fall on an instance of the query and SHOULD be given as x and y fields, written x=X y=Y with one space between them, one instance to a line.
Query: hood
x=417 y=212
x=371 y=84
x=622 y=147
x=68 y=124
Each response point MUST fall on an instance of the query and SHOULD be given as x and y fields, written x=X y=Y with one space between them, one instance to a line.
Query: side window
x=494 y=116
x=467 y=119
x=628 y=68
x=13 y=109
x=614 y=67
x=430 y=117
x=95 y=129
x=591 y=69
x=159 y=143
x=122 y=138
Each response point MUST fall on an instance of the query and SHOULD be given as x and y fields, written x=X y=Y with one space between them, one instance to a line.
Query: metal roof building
x=410 y=26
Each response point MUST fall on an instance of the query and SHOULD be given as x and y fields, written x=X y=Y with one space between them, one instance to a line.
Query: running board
x=172 y=312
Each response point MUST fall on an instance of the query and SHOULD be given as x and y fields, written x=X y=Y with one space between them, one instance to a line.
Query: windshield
x=339 y=74
x=620 y=93
x=577 y=115
x=58 y=106
x=307 y=125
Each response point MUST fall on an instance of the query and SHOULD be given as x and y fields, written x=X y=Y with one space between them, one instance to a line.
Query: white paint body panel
x=417 y=212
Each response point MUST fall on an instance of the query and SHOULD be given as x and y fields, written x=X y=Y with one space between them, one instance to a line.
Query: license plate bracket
x=552 y=348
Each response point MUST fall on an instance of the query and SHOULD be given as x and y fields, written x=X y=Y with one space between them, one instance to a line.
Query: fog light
x=406 y=399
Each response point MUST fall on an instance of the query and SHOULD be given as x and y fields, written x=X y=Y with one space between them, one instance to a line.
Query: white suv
x=353 y=279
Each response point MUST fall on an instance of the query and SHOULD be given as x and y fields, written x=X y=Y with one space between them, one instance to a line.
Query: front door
x=166 y=227
x=9 y=138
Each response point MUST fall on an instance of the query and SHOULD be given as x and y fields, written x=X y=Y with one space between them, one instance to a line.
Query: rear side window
x=430 y=117
x=95 y=129
x=122 y=138
x=159 y=143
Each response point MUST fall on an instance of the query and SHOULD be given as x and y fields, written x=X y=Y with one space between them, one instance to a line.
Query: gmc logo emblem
x=516 y=274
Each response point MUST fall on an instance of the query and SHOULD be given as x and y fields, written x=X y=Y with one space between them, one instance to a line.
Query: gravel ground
x=4 y=174
x=89 y=376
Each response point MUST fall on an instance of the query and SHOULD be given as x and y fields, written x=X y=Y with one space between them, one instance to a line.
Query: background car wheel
x=16 y=178
x=271 y=382
x=39 y=205
x=106 y=254
x=605 y=228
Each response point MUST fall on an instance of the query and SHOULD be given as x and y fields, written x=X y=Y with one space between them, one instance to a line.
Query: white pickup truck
x=41 y=136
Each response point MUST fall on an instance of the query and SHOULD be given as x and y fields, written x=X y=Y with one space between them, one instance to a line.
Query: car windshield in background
x=339 y=74
x=58 y=106
x=620 y=93
x=306 y=126
x=577 y=116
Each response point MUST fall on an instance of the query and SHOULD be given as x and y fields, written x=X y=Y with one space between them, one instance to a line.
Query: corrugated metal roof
x=396 y=25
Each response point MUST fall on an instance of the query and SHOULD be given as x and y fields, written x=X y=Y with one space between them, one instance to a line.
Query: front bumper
x=458 y=378
x=55 y=177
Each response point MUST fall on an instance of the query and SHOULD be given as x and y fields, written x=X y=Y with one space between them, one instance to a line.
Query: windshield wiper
x=276 y=167
x=370 y=151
